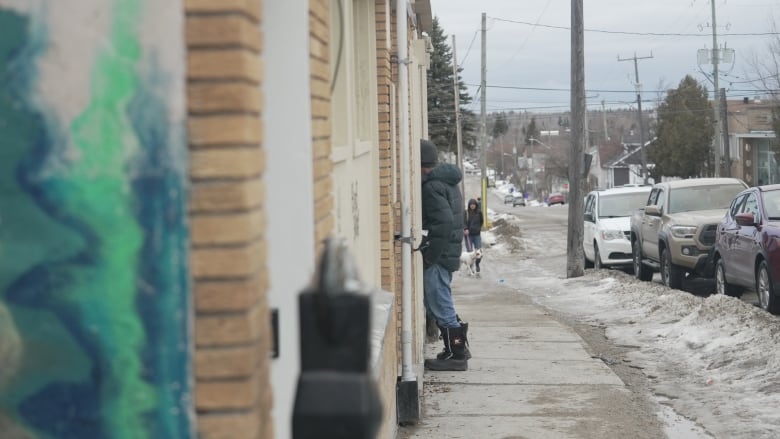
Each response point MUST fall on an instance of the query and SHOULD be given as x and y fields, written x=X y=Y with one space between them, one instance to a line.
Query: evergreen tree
x=684 y=133
x=500 y=126
x=531 y=131
x=441 y=98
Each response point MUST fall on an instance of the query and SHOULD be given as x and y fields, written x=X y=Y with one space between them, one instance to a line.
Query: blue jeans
x=437 y=296
x=476 y=240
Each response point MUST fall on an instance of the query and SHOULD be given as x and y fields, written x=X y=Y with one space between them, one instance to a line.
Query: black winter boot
x=465 y=327
x=454 y=346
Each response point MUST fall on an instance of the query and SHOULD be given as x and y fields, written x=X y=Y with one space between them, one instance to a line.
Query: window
x=703 y=197
x=751 y=206
x=653 y=197
x=772 y=204
x=620 y=205
x=736 y=206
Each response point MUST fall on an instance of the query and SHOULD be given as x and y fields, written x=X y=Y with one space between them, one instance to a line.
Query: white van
x=607 y=231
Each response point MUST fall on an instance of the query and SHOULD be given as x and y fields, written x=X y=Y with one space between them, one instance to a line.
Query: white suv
x=607 y=232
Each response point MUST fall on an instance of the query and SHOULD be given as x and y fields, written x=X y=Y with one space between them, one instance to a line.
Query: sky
x=531 y=54
x=712 y=360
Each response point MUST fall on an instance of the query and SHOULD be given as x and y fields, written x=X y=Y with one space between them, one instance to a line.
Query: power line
x=469 y=49
x=646 y=34
x=512 y=87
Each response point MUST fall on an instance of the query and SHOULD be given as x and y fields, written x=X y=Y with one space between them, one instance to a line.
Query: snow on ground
x=714 y=360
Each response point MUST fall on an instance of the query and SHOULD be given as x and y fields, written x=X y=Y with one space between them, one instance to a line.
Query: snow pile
x=506 y=229
x=713 y=359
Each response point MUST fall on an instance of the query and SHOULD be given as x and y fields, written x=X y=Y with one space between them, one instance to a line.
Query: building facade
x=171 y=173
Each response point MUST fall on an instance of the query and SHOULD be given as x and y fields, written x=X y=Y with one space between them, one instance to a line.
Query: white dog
x=468 y=260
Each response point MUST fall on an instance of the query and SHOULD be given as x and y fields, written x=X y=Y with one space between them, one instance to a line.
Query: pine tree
x=500 y=125
x=531 y=131
x=441 y=98
x=684 y=133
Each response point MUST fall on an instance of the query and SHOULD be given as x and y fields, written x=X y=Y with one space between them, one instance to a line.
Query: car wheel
x=597 y=257
x=766 y=290
x=721 y=286
x=588 y=264
x=671 y=274
x=641 y=271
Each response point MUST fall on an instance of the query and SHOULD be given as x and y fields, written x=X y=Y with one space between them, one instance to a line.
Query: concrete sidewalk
x=530 y=376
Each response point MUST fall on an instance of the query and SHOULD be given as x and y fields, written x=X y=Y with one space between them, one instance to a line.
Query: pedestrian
x=442 y=223
x=473 y=229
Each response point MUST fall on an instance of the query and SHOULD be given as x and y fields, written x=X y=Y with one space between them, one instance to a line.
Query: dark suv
x=747 y=248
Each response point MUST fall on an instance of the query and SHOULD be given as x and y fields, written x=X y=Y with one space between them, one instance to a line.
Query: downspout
x=407 y=373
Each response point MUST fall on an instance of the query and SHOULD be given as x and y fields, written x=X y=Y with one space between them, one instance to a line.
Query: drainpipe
x=407 y=396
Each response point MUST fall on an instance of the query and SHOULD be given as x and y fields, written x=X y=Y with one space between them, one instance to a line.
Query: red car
x=747 y=247
x=555 y=198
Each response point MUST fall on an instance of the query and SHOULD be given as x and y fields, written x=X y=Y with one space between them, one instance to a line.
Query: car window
x=736 y=206
x=772 y=204
x=620 y=205
x=661 y=199
x=589 y=204
x=653 y=196
x=751 y=206
x=689 y=199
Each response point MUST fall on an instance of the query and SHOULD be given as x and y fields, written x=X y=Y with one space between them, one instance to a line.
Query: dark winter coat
x=473 y=219
x=442 y=217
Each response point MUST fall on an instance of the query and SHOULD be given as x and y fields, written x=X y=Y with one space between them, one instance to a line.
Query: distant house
x=617 y=164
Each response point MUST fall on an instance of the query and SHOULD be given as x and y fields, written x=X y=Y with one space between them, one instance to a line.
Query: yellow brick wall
x=319 y=13
x=232 y=337
x=390 y=270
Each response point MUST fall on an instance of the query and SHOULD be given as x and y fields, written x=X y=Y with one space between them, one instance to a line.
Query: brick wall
x=232 y=386
x=319 y=17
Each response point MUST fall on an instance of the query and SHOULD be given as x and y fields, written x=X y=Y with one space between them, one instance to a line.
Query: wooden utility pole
x=638 y=86
x=483 y=120
x=458 y=139
x=575 y=262
x=718 y=143
x=725 y=118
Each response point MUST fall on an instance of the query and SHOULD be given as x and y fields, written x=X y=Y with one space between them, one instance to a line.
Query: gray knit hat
x=429 y=155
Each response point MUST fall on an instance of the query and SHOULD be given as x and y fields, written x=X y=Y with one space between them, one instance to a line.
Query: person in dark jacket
x=473 y=228
x=442 y=223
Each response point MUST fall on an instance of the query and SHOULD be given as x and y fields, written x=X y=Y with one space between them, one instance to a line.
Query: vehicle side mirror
x=745 y=219
x=652 y=210
x=589 y=218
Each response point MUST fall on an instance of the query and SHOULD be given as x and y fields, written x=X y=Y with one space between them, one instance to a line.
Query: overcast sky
x=534 y=55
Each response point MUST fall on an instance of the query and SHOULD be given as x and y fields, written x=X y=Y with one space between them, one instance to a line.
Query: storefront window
x=766 y=166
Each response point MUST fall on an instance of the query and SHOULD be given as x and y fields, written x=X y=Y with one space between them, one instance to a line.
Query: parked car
x=675 y=232
x=747 y=249
x=555 y=198
x=607 y=230
x=508 y=198
x=518 y=199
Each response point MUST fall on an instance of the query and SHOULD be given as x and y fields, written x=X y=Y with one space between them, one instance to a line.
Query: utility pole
x=718 y=144
x=638 y=86
x=726 y=149
x=483 y=120
x=604 y=116
x=574 y=255
x=458 y=134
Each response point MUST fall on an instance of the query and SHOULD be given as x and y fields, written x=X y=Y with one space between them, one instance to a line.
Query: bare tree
x=765 y=77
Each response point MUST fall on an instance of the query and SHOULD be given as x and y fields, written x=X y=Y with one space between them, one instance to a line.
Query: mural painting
x=94 y=310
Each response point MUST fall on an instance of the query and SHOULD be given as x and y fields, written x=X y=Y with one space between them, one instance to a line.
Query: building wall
x=290 y=198
x=233 y=395
x=319 y=32
x=94 y=274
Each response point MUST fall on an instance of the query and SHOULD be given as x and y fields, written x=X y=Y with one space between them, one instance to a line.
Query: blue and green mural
x=94 y=312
